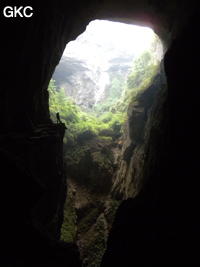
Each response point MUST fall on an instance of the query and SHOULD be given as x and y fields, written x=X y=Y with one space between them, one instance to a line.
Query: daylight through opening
x=98 y=91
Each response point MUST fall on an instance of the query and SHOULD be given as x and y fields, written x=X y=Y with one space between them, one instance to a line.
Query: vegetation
x=88 y=153
x=82 y=125
x=107 y=118
x=113 y=93
x=68 y=233
x=145 y=67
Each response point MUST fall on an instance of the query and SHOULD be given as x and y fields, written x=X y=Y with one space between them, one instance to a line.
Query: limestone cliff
x=88 y=85
x=89 y=207
x=135 y=150
x=90 y=63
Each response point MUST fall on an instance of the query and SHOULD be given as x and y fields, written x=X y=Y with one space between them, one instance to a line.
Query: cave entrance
x=98 y=88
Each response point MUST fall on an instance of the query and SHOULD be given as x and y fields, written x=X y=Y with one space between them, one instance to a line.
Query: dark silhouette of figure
x=59 y=120
x=58 y=117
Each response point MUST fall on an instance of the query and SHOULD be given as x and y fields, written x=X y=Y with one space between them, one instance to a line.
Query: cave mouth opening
x=100 y=77
x=100 y=74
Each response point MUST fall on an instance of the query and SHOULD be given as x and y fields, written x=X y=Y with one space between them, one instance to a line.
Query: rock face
x=137 y=220
x=88 y=221
x=161 y=225
x=41 y=181
x=89 y=207
x=87 y=85
x=134 y=156
x=93 y=61
x=78 y=80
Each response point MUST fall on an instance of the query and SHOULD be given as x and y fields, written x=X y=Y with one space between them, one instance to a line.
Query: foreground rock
x=89 y=207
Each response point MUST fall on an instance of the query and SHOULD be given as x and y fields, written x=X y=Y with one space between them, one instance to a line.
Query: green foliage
x=145 y=67
x=141 y=69
x=113 y=93
x=59 y=102
x=81 y=125
x=96 y=165
x=107 y=118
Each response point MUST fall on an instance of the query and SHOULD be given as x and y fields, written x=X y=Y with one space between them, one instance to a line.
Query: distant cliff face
x=87 y=84
x=78 y=80
x=91 y=63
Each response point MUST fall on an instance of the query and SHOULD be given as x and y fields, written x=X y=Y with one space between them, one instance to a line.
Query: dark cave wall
x=31 y=200
x=161 y=225
x=31 y=50
x=32 y=185
x=135 y=238
x=35 y=47
x=39 y=43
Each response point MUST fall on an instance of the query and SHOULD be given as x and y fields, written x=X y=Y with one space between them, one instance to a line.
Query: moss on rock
x=69 y=226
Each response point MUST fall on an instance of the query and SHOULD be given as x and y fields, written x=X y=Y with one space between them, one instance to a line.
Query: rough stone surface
x=143 y=119
x=87 y=84
x=89 y=208
x=161 y=225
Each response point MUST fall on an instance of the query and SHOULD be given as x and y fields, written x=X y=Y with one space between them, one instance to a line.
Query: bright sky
x=115 y=35
x=105 y=42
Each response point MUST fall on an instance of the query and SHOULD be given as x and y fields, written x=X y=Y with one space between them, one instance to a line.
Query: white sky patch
x=104 y=42
x=116 y=35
